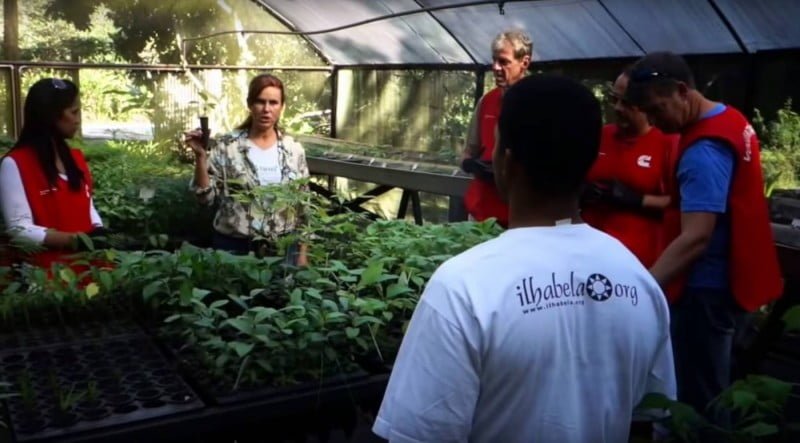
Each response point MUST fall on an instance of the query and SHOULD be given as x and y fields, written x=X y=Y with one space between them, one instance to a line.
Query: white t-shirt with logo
x=547 y=334
x=267 y=163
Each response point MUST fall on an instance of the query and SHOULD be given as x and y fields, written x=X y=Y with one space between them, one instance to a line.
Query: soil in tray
x=92 y=391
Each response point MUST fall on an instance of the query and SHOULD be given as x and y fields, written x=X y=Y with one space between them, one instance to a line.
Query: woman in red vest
x=627 y=192
x=46 y=186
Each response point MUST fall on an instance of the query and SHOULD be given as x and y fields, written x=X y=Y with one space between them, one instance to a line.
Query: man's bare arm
x=696 y=231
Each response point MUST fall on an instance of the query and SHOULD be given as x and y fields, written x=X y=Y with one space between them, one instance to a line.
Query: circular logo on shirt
x=598 y=287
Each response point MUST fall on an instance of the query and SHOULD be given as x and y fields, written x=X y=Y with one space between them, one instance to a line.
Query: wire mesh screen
x=407 y=110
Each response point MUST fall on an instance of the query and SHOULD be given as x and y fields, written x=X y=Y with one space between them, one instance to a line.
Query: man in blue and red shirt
x=511 y=55
x=721 y=261
x=626 y=193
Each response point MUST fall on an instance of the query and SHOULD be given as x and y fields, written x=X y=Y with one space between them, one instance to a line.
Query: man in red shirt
x=626 y=194
x=511 y=55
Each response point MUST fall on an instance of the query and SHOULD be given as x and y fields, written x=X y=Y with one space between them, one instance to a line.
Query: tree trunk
x=11 y=30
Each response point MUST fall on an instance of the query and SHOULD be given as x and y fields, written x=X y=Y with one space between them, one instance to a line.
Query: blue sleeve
x=704 y=175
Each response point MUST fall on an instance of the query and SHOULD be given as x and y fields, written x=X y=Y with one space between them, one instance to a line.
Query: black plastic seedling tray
x=223 y=394
x=43 y=337
x=100 y=383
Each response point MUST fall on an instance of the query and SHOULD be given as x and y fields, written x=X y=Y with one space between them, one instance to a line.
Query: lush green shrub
x=141 y=190
x=780 y=148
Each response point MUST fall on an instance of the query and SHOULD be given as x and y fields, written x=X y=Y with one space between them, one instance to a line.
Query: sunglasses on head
x=642 y=75
x=59 y=84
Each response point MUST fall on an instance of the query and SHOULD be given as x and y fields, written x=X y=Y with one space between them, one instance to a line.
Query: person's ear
x=526 y=62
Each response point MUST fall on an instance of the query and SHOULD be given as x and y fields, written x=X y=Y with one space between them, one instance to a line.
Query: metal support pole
x=334 y=99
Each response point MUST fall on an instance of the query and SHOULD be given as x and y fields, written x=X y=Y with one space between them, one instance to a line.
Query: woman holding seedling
x=46 y=186
x=234 y=169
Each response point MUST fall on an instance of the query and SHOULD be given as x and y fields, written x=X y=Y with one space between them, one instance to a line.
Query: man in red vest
x=721 y=250
x=511 y=55
x=626 y=193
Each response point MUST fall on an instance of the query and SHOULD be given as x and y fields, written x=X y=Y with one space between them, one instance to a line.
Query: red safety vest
x=481 y=199
x=643 y=164
x=58 y=207
x=754 y=270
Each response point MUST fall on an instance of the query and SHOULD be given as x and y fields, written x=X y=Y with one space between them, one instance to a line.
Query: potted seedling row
x=74 y=388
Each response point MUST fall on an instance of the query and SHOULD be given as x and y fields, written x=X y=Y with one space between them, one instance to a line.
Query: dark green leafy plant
x=780 y=148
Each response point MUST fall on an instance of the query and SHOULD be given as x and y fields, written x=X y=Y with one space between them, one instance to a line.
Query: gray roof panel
x=560 y=29
x=682 y=26
x=764 y=24
x=409 y=39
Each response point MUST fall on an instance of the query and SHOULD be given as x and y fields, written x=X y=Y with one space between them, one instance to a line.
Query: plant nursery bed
x=82 y=387
x=59 y=335
x=219 y=391
x=226 y=396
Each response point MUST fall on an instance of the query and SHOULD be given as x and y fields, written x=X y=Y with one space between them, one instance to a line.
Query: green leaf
x=91 y=290
x=335 y=316
x=316 y=337
x=151 y=289
x=417 y=280
x=204 y=322
x=792 y=319
x=172 y=318
x=186 y=293
x=330 y=305
x=770 y=387
x=241 y=324
x=263 y=313
x=221 y=360
x=314 y=293
x=296 y=297
x=760 y=429
x=105 y=280
x=218 y=304
x=352 y=332
x=743 y=400
x=242 y=349
x=396 y=289
x=360 y=320
x=238 y=300
x=371 y=274
x=200 y=293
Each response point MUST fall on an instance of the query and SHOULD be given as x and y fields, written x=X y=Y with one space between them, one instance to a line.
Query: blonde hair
x=519 y=40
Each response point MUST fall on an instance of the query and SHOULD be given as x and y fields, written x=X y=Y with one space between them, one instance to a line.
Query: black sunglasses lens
x=643 y=75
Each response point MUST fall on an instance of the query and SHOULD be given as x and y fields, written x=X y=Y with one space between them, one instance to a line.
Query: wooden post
x=11 y=30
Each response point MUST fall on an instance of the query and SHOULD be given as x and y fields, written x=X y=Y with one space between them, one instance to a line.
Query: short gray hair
x=520 y=41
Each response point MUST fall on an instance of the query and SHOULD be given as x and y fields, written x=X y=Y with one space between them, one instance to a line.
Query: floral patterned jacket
x=232 y=172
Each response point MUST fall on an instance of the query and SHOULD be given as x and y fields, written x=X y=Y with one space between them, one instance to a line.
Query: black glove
x=624 y=196
x=479 y=168
x=595 y=192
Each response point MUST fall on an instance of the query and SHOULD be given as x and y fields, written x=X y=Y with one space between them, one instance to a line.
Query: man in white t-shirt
x=552 y=332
